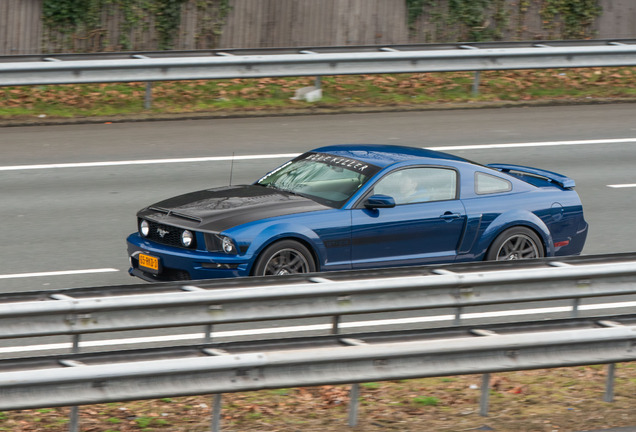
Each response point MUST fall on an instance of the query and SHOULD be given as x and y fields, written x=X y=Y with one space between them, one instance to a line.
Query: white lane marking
x=517 y=312
x=314 y=327
x=292 y=155
x=622 y=185
x=55 y=346
x=534 y=144
x=57 y=273
x=145 y=162
x=607 y=305
x=413 y=320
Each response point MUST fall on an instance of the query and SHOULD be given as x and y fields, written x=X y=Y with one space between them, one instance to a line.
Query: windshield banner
x=332 y=160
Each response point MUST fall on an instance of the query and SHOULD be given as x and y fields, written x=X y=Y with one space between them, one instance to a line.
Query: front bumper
x=183 y=264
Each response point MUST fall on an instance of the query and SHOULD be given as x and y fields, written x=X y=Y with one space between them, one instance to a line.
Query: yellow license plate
x=148 y=262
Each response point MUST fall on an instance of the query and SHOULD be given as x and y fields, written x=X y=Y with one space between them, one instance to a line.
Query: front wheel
x=514 y=244
x=284 y=258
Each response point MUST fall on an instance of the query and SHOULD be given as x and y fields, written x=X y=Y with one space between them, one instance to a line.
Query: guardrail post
x=334 y=324
x=476 y=83
x=74 y=423
x=575 y=307
x=208 y=333
x=216 y=413
x=74 y=417
x=458 y=316
x=354 y=395
x=148 y=98
x=318 y=82
x=609 y=384
x=76 y=341
x=485 y=395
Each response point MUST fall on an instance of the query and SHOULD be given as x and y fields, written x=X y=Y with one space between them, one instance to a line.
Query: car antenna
x=231 y=168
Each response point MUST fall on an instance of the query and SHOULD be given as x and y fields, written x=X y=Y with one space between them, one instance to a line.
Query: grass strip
x=561 y=400
x=242 y=95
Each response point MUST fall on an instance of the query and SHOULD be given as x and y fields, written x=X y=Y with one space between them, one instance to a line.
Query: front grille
x=171 y=237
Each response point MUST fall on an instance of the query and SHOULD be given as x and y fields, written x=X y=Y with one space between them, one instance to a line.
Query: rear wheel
x=514 y=244
x=284 y=258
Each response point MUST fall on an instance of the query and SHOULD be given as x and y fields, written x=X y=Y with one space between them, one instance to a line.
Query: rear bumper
x=181 y=264
x=575 y=247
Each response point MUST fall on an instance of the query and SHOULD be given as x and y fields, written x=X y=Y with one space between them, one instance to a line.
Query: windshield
x=324 y=178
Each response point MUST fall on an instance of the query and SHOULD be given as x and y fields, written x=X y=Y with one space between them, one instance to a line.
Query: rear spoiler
x=553 y=177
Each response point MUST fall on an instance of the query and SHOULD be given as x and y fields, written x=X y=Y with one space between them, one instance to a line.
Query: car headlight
x=186 y=238
x=227 y=245
x=144 y=228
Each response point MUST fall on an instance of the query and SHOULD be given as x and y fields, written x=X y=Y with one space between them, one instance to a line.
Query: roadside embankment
x=554 y=400
x=100 y=103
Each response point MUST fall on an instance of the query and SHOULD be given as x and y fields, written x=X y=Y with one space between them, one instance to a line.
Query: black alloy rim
x=286 y=262
x=517 y=247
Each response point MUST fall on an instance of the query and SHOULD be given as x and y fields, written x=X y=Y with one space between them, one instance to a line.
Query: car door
x=424 y=227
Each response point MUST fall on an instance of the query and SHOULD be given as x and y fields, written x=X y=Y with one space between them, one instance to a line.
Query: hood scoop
x=174 y=214
x=227 y=203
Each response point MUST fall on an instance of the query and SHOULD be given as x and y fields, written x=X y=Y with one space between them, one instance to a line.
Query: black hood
x=221 y=208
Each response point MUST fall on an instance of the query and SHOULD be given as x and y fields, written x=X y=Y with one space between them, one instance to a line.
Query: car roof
x=384 y=155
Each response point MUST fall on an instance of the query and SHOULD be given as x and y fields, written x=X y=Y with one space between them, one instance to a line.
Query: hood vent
x=159 y=210
x=175 y=214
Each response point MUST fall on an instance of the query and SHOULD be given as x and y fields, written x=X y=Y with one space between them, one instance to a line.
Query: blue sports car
x=356 y=207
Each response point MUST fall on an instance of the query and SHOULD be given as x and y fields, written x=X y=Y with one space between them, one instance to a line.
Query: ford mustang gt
x=356 y=207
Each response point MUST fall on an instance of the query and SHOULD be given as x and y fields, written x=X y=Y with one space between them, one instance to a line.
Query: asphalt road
x=77 y=218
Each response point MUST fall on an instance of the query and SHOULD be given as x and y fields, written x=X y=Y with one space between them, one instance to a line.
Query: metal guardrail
x=300 y=340
x=430 y=287
x=197 y=306
x=337 y=276
x=343 y=49
x=111 y=67
x=221 y=372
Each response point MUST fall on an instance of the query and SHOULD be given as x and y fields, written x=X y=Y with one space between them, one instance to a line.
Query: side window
x=417 y=185
x=488 y=184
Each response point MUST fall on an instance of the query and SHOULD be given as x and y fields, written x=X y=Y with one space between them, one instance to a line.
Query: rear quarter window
x=489 y=184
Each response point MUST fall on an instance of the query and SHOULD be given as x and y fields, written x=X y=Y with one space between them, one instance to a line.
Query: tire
x=516 y=243
x=284 y=257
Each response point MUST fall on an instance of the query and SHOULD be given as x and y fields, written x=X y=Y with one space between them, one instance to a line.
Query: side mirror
x=379 y=201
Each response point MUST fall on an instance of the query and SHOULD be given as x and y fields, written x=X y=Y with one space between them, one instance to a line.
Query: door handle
x=450 y=216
